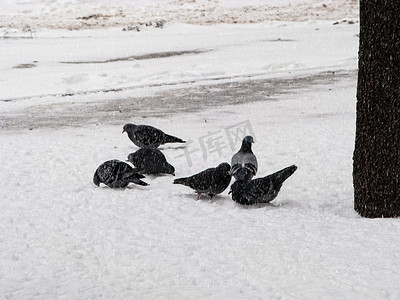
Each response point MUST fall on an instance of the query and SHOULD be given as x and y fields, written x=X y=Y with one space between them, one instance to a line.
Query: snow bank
x=60 y=14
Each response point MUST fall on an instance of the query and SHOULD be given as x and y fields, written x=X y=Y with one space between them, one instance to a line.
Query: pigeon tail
x=136 y=180
x=183 y=181
x=172 y=139
x=244 y=173
x=132 y=174
x=139 y=176
x=140 y=182
x=280 y=176
x=139 y=172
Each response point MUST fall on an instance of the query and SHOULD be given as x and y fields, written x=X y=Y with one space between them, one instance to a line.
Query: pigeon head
x=224 y=168
x=237 y=189
x=132 y=158
x=246 y=143
x=170 y=169
x=128 y=127
x=248 y=139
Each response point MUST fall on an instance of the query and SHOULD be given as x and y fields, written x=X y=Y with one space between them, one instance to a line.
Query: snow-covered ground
x=65 y=95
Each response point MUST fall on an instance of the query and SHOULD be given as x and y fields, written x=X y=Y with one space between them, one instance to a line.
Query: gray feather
x=244 y=162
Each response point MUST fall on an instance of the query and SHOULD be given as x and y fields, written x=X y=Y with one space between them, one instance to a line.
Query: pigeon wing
x=202 y=181
x=148 y=135
x=259 y=190
x=241 y=159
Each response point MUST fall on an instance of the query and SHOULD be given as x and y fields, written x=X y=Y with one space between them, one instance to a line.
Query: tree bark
x=376 y=161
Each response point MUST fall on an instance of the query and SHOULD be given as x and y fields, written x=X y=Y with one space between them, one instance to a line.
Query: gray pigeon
x=244 y=162
x=150 y=161
x=116 y=174
x=211 y=181
x=147 y=136
x=260 y=190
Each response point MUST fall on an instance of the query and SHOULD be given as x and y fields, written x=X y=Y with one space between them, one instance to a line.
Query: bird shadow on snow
x=129 y=187
x=204 y=198
x=155 y=176
x=226 y=200
x=276 y=204
x=172 y=147
x=260 y=205
x=137 y=187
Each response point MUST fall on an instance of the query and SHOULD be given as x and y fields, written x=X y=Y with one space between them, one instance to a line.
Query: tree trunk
x=376 y=168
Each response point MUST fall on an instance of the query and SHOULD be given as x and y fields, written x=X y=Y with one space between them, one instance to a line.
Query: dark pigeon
x=244 y=162
x=212 y=181
x=116 y=174
x=260 y=190
x=150 y=161
x=147 y=136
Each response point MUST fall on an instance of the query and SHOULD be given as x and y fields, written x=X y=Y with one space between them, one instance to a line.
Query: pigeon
x=260 y=190
x=244 y=162
x=116 y=174
x=211 y=181
x=150 y=161
x=147 y=136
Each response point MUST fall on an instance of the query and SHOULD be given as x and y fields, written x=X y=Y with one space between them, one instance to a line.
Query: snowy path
x=195 y=97
x=98 y=76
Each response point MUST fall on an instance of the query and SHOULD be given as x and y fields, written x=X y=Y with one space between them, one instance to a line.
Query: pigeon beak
x=123 y=131
x=230 y=192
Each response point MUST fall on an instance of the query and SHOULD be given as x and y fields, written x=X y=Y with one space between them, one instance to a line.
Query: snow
x=225 y=51
x=292 y=84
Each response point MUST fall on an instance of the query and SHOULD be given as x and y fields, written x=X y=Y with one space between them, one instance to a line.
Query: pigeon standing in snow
x=116 y=174
x=244 y=162
x=260 y=190
x=147 y=136
x=150 y=161
x=211 y=181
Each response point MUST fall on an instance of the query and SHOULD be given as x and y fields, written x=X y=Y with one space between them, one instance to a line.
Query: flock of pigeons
x=149 y=160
